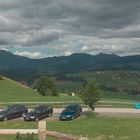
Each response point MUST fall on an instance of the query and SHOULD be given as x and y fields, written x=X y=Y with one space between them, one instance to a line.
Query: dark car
x=39 y=113
x=13 y=111
x=70 y=112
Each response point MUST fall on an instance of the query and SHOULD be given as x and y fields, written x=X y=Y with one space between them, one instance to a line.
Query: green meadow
x=12 y=91
x=91 y=125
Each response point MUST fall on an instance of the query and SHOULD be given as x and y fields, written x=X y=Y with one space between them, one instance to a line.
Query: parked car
x=70 y=112
x=13 y=111
x=38 y=113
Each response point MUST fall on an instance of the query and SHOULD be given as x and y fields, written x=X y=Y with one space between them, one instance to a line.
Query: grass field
x=95 y=127
x=11 y=91
x=99 y=128
x=122 y=96
x=120 y=78
x=123 y=80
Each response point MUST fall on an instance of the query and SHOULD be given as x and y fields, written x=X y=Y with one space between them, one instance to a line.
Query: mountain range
x=22 y=68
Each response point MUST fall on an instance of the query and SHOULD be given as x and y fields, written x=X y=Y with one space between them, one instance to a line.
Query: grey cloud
x=3 y=42
x=38 y=39
x=23 y=22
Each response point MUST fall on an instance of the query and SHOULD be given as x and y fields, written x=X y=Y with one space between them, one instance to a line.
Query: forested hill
x=22 y=68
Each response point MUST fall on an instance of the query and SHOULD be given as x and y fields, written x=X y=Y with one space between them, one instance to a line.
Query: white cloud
x=84 y=48
x=67 y=53
x=32 y=55
x=2 y=48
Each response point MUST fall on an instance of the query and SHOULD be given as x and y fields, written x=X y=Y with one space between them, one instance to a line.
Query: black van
x=13 y=111
x=70 y=112
x=38 y=113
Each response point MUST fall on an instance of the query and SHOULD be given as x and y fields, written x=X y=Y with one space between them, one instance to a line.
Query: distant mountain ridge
x=22 y=68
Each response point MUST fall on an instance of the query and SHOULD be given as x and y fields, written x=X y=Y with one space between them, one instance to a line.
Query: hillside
x=11 y=91
x=21 y=68
x=118 y=84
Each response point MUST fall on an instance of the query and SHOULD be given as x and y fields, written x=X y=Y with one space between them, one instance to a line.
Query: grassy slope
x=105 y=77
x=67 y=86
x=107 y=95
x=11 y=91
x=92 y=126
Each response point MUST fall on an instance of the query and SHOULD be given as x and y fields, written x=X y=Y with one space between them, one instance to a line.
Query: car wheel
x=5 y=119
x=36 y=119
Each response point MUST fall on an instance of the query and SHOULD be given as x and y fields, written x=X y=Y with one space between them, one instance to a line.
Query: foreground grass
x=92 y=126
x=99 y=127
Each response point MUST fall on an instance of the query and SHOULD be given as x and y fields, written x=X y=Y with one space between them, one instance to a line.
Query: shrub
x=45 y=86
x=26 y=137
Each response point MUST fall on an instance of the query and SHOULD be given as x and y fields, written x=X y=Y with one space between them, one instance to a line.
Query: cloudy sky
x=45 y=28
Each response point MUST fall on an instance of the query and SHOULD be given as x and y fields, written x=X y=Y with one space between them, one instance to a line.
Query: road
x=105 y=110
x=110 y=112
x=117 y=112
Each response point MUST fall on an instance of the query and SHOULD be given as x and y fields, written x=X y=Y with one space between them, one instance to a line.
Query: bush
x=45 y=86
x=26 y=137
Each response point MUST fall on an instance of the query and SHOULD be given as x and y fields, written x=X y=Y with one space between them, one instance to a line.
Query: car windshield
x=8 y=108
x=35 y=110
x=70 y=108
x=67 y=113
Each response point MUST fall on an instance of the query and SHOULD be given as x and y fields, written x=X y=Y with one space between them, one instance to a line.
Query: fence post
x=42 y=130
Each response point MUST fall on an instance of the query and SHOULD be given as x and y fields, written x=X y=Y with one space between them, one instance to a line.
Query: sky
x=46 y=28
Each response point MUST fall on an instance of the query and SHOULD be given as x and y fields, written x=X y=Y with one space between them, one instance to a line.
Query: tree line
x=90 y=92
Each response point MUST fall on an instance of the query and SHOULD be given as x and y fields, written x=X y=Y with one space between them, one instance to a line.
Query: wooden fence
x=42 y=133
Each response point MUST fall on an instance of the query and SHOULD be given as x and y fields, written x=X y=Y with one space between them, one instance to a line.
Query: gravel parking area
x=109 y=112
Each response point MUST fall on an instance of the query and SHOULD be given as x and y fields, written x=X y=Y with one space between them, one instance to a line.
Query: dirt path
x=118 y=112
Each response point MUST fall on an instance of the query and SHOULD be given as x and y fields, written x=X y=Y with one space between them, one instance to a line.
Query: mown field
x=125 y=79
x=123 y=82
x=11 y=91
x=95 y=127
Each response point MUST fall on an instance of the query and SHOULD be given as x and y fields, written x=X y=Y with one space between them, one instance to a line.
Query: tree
x=45 y=86
x=90 y=94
